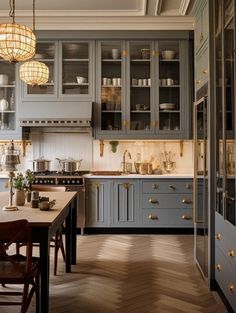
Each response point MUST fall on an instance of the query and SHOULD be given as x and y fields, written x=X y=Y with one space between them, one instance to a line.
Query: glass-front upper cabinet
x=110 y=87
x=75 y=69
x=46 y=52
x=169 y=92
x=7 y=97
x=141 y=71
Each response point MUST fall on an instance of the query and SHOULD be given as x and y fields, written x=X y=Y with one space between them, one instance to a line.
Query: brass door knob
x=231 y=253
x=152 y=217
x=231 y=288
x=218 y=267
x=187 y=201
x=152 y=200
x=186 y=217
x=218 y=236
x=154 y=186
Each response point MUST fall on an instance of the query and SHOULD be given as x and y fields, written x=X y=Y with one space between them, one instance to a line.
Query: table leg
x=44 y=249
x=68 y=232
x=74 y=232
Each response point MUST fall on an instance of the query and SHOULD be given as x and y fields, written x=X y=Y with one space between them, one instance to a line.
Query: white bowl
x=167 y=106
x=168 y=54
x=81 y=80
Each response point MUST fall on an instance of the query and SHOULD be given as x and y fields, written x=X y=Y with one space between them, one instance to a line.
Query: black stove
x=60 y=178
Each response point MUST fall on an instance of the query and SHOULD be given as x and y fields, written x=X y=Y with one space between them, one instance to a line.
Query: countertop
x=124 y=176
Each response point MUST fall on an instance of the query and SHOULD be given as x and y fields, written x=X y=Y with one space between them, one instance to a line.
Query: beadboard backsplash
x=83 y=146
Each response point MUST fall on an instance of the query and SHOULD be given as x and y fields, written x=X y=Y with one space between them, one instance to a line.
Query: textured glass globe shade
x=17 y=42
x=34 y=73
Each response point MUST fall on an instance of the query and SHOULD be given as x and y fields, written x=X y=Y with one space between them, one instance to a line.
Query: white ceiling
x=103 y=14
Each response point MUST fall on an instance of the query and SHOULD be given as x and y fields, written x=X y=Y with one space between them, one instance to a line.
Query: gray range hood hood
x=56 y=116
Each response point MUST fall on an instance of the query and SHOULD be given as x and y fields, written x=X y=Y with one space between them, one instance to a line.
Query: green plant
x=29 y=177
x=19 y=182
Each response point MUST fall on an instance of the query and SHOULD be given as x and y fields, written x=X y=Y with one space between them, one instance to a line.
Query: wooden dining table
x=44 y=225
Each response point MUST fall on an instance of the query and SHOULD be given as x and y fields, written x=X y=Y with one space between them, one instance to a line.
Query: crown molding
x=158 y=7
x=111 y=23
x=184 y=6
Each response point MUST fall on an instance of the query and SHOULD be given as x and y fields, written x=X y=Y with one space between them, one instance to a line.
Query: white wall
x=82 y=146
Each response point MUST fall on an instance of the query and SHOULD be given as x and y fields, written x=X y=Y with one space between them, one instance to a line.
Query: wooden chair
x=57 y=240
x=16 y=268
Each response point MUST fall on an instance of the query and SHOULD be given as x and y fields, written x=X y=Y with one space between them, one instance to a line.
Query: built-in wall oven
x=201 y=211
x=72 y=181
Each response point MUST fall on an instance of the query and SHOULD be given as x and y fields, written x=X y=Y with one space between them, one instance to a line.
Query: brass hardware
x=205 y=71
x=231 y=253
x=124 y=123
x=172 y=187
x=125 y=185
x=101 y=145
x=218 y=236
x=231 y=288
x=125 y=53
x=218 y=267
x=152 y=200
x=201 y=37
x=186 y=217
x=23 y=143
x=181 y=148
x=189 y=186
x=154 y=123
x=96 y=185
x=197 y=81
x=154 y=186
x=152 y=217
x=187 y=201
x=155 y=53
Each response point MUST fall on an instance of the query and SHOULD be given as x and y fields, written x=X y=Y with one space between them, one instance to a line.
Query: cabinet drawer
x=226 y=278
x=167 y=217
x=165 y=201
x=167 y=186
x=225 y=239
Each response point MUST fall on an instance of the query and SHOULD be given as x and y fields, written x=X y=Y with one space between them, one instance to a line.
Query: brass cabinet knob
x=189 y=186
x=125 y=185
x=218 y=236
x=96 y=185
x=172 y=187
x=186 y=217
x=153 y=200
x=218 y=267
x=205 y=71
x=197 y=81
x=231 y=288
x=187 y=201
x=154 y=186
x=152 y=217
x=231 y=253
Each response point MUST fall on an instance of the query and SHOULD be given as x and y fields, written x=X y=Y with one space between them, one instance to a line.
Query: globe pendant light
x=17 y=42
x=34 y=73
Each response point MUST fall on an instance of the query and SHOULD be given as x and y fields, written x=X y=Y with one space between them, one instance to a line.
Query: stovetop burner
x=61 y=173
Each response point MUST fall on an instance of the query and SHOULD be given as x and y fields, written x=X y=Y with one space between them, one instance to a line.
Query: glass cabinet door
x=7 y=96
x=140 y=73
x=169 y=109
x=111 y=86
x=75 y=68
x=229 y=147
x=46 y=53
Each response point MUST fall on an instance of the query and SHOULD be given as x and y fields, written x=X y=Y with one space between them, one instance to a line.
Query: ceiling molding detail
x=184 y=6
x=112 y=23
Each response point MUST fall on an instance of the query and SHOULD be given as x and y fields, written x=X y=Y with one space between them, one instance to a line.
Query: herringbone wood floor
x=131 y=274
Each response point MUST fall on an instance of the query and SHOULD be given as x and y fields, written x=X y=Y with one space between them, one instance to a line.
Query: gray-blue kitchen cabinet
x=98 y=203
x=4 y=184
x=125 y=208
x=154 y=100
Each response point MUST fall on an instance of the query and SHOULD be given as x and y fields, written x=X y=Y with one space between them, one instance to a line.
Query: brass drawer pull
x=189 y=186
x=186 y=217
x=152 y=217
x=231 y=253
x=187 y=201
x=218 y=236
x=172 y=187
x=231 y=288
x=154 y=201
x=154 y=186
x=218 y=267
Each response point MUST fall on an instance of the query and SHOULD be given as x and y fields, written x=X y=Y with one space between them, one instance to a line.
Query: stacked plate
x=167 y=106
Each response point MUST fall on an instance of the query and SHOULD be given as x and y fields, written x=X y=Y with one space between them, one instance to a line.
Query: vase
x=19 y=197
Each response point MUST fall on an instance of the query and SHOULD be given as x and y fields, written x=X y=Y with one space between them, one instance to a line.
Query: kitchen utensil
x=169 y=166
x=69 y=165
x=168 y=54
x=41 y=165
x=3 y=79
x=81 y=80
x=4 y=105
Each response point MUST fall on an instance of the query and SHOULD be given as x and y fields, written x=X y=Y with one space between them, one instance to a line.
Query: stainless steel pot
x=41 y=165
x=69 y=165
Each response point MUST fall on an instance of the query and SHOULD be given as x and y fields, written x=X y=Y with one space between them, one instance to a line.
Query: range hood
x=56 y=116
